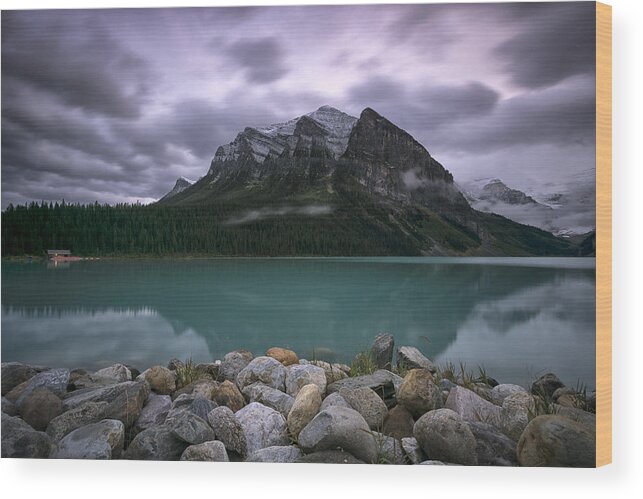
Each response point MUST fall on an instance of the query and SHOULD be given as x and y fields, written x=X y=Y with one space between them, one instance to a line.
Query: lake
x=517 y=317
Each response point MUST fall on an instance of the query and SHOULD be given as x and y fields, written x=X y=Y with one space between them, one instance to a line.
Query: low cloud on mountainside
x=114 y=105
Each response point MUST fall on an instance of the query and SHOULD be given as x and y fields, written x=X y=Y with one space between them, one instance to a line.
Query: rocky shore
x=278 y=408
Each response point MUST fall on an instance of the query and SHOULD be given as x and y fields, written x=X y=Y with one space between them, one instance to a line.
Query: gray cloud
x=558 y=42
x=262 y=58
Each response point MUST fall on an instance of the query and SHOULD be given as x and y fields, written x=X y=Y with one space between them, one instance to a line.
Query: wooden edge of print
x=603 y=234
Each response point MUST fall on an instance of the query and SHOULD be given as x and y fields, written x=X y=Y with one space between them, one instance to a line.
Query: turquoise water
x=518 y=317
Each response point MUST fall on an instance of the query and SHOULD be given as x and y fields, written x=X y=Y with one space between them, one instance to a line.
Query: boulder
x=233 y=363
x=389 y=449
x=228 y=394
x=398 y=423
x=412 y=358
x=338 y=456
x=418 y=392
x=203 y=387
x=262 y=426
x=208 y=370
x=334 y=372
x=553 y=440
x=382 y=351
x=116 y=373
x=15 y=373
x=201 y=407
x=500 y=392
x=21 y=440
x=264 y=370
x=161 y=379
x=40 y=407
x=304 y=409
x=84 y=414
x=382 y=382
x=300 y=375
x=54 y=380
x=472 y=407
x=583 y=417
x=8 y=407
x=493 y=447
x=207 y=451
x=153 y=412
x=270 y=397
x=101 y=394
x=128 y=404
x=339 y=427
x=276 y=454
x=368 y=404
x=515 y=413
x=175 y=364
x=228 y=430
x=189 y=427
x=412 y=450
x=334 y=399
x=102 y=440
x=444 y=436
x=546 y=385
x=157 y=443
x=283 y=355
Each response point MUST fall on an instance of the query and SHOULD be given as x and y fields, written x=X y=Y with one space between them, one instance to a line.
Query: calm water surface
x=519 y=317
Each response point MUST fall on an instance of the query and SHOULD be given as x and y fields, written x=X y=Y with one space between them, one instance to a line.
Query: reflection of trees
x=305 y=304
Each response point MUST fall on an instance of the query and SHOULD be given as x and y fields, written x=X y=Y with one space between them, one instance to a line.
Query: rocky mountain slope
x=181 y=184
x=356 y=179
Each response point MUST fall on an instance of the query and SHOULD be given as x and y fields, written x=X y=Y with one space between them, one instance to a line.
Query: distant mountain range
x=360 y=179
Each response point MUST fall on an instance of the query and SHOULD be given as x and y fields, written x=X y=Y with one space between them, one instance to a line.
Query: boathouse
x=58 y=252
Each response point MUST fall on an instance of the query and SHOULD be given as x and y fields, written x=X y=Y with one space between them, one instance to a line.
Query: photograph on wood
x=361 y=234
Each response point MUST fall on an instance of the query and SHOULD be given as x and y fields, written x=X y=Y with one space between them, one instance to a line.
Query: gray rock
x=153 y=413
x=446 y=384
x=304 y=409
x=15 y=373
x=389 y=449
x=116 y=373
x=433 y=462
x=161 y=379
x=40 y=407
x=300 y=375
x=382 y=382
x=189 y=427
x=21 y=440
x=87 y=413
x=368 y=404
x=419 y=393
x=382 y=351
x=276 y=454
x=334 y=372
x=208 y=370
x=265 y=370
x=412 y=450
x=128 y=404
x=228 y=430
x=583 y=417
x=471 y=407
x=228 y=394
x=157 y=443
x=233 y=363
x=412 y=358
x=515 y=413
x=8 y=407
x=445 y=436
x=175 y=364
x=102 y=440
x=107 y=393
x=262 y=426
x=334 y=399
x=493 y=447
x=330 y=457
x=546 y=385
x=398 y=423
x=203 y=387
x=54 y=380
x=270 y=397
x=500 y=392
x=339 y=427
x=207 y=451
x=557 y=441
x=201 y=407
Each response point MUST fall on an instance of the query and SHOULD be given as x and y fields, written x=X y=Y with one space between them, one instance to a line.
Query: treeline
x=134 y=229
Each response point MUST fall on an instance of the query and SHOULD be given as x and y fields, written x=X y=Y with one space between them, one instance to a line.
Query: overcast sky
x=114 y=105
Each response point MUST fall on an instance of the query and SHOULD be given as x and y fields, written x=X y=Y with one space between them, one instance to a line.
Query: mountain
x=181 y=184
x=361 y=185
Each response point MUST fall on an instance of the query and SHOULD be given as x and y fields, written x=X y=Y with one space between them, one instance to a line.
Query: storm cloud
x=114 y=104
